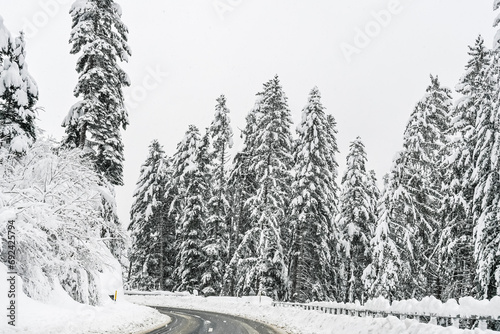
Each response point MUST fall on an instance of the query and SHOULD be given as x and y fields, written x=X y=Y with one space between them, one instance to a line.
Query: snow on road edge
x=297 y=320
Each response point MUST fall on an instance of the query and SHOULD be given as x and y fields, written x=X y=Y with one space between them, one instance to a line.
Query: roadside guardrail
x=468 y=322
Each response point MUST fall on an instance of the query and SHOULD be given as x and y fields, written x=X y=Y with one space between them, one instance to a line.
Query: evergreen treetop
x=94 y=122
x=18 y=94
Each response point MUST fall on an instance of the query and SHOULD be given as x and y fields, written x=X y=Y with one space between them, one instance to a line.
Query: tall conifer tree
x=148 y=223
x=357 y=219
x=262 y=259
x=94 y=122
x=457 y=243
x=242 y=185
x=486 y=203
x=411 y=202
x=192 y=187
x=382 y=276
x=313 y=193
x=218 y=239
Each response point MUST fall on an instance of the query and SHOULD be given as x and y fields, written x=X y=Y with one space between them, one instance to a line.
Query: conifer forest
x=264 y=208
x=277 y=219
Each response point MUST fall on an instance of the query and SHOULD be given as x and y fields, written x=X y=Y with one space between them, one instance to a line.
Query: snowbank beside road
x=296 y=320
x=62 y=315
x=465 y=307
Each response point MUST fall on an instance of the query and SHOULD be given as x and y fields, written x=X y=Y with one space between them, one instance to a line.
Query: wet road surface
x=196 y=322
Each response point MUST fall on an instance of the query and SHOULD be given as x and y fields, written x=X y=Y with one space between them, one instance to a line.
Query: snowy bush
x=57 y=202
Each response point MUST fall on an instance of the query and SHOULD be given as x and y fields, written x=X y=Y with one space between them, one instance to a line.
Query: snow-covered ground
x=62 y=315
x=465 y=307
x=296 y=320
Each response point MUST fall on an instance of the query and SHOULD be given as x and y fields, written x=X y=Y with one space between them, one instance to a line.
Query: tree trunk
x=296 y=266
x=83 y=136
x=161 y=220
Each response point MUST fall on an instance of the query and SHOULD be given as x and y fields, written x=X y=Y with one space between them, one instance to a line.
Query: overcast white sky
x=188 y=52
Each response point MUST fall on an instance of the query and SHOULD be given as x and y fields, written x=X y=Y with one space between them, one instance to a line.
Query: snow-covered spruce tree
x=412 y=200
x=170 y=249
x=261 y=257
x=192 y=217
x=148 y=223
x=218 y=234
x=457 y=243
x=336 y=275
x=241 y=186
x=357 y=219
x=175 y=194
x=222 y=140
x=94 y=122
x=214 y=241
x=56 y=201
x=486 y=202
x=18 y=94
x=421 y=179
x=331 y=138
x=381 y=276
x=314 y=192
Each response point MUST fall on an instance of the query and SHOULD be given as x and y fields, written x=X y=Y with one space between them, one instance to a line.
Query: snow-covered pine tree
x=381 y=276
x=424 y=149
x=261 y=257
x=148 y=224
x=412 y=198
x=221 y=135
x=457 y=242
x=191 y=203
x=216 y=244
x=170 y=249
x=241 y=187
x=176 y=191
x=213 y=244
x=336 y=279
x=94 y=122
x=18 y=94
x=313 y=192
x=486 y=203
x=331 y=137
x=357 y=219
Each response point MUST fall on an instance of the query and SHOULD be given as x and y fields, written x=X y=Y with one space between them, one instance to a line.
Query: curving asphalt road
x=192 y=321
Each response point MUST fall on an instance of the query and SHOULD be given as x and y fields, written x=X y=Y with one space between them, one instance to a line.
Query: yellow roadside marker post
x=115 y=294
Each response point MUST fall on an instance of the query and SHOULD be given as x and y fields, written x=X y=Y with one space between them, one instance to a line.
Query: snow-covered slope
x=53 y=205
x=62 y=315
